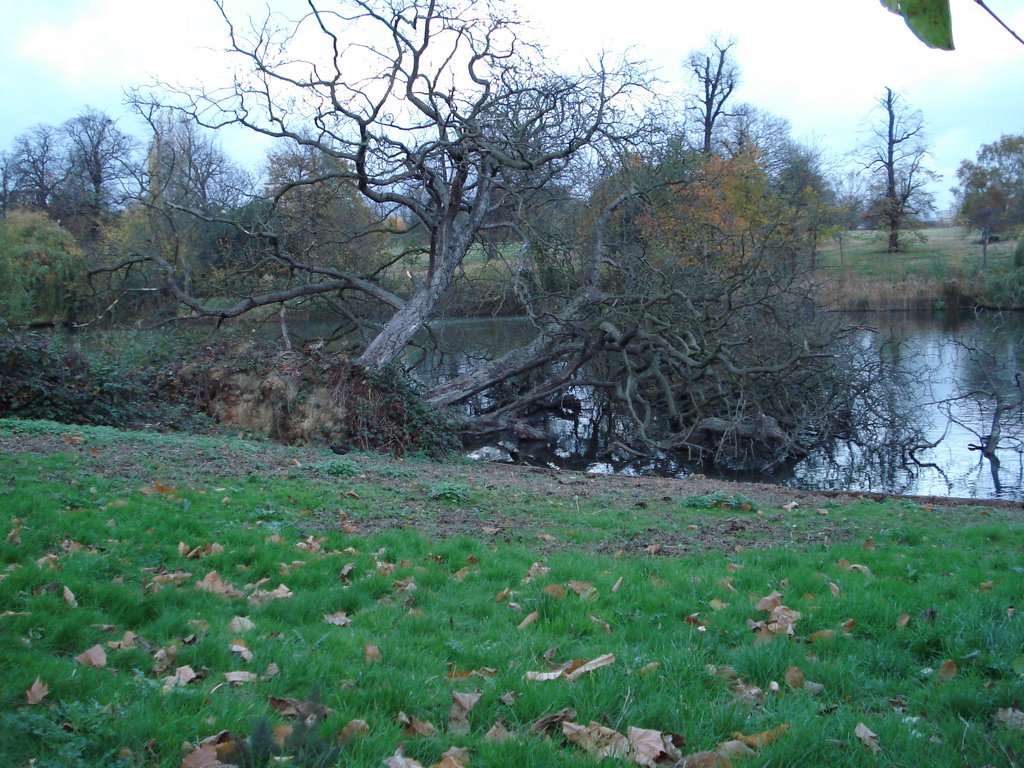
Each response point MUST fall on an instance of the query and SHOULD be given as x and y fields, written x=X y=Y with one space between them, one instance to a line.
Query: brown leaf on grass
x=947 y=670
x=822 y=635
x=547 y=723
x=69 y=598
x=399 y=760
x=987 y=586
x=372 y=654
x=310 y=544
x=617 y=585
x=1010 y=717
x=240 y=647
x=128 y=640
x=498 y=733
x=790 y=506
x=93 y=657
x=241 y=624
x=867 y=737
x=590 y=666
x=175 y=577
x=650 y=748
x=198 y=553
x=281 y=733
x=536 y=571
x=869 y=544
x=846 y=565
x=49 y=560
x=281 y=592
x=602 y=624
x=14 y=537
x=849 y=625
x=734 y=748
x=352 y=729
x=834 y=588
x=309 y=710
x=704 y=760
x=596 y=740
x=463 y=674
x=212 y=582
x=530 y=618
x=182 y=676
x=346 y=571
x=338 y=619
x=509 y=698
x=413 y=726
x=584 y=589
x=203 y=757
x=782 y=620
x=769 y=602
x=163 y=659
x=270 y=672
x=36 y=692
x=717 y=605
x=503 y=595
x=764 y=738
x=453 y=757
x=726 y=584
x=794 y=677
x=240 y=676
x=556 y=591
x=458 y=715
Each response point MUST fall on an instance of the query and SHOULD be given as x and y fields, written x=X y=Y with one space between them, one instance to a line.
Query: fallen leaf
x=1011 y=718
x=548 y=722
x=182 y=676
x=947 y=670
x=94 y=657
x=794 y=677
x=413 y=726
x=596 y=740
x=834 y=588
x=372 y=654
x=163 y=659
x=36 y=692
x=556 y=591
x=311 y=711
x=241 y=648
x=338 y=619
x=867 y=737
x=530 y=618
x=732 y=749
x=617 y=584
x=241 y=624
x=849 y=625
x=454 y=757
x=650 y=748
x=352 y=729
x=128 y=640
x=584 y=589
x=704 y=760
x=790 y=506
x=649 y=669
x=498 y=732
x=458 y=715
x=536 y=571
x=238 y=677
x=717 y=605
x=590 y=666
x=987 y=586
x=869 y=544
x=399 y=760
x=764 y=738
x=604 y=625
x=769 y=602
x=270 y=672
x=204 y=757
x=903 y=620
x=281 y=592
x=212 y=582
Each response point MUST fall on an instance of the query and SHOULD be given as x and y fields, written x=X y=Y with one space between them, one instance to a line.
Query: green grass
x=419 y=556
x=943 y=253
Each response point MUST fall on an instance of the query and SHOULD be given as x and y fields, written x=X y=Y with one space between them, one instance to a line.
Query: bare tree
x=100 y=167
x=716 y=75
x=436 y=110
x=895 y=157
x=39 y=167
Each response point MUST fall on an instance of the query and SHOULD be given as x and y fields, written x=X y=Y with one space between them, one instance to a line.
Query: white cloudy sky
x=821 y=64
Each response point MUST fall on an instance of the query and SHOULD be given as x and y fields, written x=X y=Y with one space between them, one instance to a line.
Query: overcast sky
x=821 y=64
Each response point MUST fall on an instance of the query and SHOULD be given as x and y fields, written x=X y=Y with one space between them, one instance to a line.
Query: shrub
x=42 y=379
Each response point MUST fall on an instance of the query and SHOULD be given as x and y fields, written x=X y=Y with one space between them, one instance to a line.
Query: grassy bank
x=940 y=271
x=159 y=590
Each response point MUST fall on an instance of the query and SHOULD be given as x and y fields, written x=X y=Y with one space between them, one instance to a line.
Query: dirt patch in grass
x=678 y=516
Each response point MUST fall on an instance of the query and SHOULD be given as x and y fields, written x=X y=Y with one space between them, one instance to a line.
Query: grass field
x=293 y=607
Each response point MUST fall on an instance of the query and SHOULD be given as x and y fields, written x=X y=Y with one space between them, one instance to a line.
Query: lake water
x=940 y=356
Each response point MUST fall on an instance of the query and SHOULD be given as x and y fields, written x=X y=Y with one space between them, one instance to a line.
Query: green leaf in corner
x=929 y=20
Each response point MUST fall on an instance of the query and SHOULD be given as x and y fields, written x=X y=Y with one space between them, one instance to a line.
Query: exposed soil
x=723 y=528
